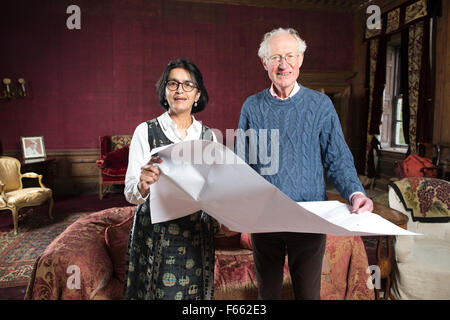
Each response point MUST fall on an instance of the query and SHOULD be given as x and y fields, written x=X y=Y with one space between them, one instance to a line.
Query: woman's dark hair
x=196 y=76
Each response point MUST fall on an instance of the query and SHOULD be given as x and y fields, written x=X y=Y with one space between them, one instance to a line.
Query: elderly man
x=310 y=139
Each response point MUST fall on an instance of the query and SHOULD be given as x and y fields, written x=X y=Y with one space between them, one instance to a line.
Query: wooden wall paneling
x=337 y=85
x=76 y=171
x=441 y=131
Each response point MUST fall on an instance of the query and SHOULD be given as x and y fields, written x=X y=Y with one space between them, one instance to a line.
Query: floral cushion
x=120 y=141
x=427 y=199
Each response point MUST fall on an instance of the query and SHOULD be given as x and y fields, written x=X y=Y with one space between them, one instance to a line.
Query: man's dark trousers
x=305 y=254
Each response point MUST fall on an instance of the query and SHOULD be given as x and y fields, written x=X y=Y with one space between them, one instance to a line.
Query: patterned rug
x=19 y=252
x=36 y=231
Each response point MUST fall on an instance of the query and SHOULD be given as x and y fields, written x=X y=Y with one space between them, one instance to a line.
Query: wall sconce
x=10 y=91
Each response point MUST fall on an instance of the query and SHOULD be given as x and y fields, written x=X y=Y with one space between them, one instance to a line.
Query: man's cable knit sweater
x=310 y=140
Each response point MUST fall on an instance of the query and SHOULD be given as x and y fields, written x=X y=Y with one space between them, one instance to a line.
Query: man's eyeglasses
x=276 y=59
x=188 y=86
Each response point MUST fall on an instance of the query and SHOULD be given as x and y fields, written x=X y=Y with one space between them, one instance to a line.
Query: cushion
x=403 y=248
x=116 y=238
x=427 y=199
x=120 y=141
x=117 y=158
x=28 y=196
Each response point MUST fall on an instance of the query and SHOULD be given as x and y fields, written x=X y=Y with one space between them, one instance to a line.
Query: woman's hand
x=149 y=175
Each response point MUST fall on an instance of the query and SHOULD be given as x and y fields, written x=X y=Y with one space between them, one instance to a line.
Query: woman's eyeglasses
x=188 y=86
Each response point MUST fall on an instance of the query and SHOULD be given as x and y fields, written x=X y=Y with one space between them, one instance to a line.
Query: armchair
x=113 y=161
x=13 y=196
x=422 y=268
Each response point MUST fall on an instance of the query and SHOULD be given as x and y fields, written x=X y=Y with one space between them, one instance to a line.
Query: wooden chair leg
x=387 y=290
x=107 y=190
x=385 y=264
x=50 y=208
x=14 y=212
x=100 y=190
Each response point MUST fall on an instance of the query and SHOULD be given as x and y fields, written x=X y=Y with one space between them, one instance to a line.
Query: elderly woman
x=172 y=260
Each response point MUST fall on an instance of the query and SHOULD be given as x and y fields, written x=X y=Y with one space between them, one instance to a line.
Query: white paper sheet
x=206 y=175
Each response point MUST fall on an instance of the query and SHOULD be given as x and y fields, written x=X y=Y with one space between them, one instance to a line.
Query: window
x=391 y=129
x=397 y=123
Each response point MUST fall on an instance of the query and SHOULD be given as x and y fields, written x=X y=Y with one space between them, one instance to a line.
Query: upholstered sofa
x=87 y=261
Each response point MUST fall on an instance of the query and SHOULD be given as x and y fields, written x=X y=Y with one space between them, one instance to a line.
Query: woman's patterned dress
x=173 y=260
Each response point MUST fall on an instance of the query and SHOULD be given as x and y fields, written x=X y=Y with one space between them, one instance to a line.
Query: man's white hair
x=263 y=51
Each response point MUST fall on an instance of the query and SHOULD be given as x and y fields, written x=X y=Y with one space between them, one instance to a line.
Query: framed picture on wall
x=33 y=147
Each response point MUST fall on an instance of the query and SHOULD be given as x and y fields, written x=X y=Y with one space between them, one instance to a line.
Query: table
x=44 y=166
x=383 y=262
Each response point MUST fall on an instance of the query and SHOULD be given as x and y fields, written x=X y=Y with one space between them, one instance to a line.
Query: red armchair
x=113 y=161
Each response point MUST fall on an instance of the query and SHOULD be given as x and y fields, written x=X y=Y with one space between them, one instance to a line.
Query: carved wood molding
x=331 y=5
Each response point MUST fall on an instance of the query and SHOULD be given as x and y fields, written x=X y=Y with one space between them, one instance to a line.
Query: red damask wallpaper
x=100 y=79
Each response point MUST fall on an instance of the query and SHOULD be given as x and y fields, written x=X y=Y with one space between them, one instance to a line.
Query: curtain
x=425 y=115
x=377 y=80
x=415 y=46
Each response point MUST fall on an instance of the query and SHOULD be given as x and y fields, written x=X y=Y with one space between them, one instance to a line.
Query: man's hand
x=361 y=203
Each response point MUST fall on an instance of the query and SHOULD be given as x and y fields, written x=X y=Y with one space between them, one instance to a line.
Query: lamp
x=14 y=91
